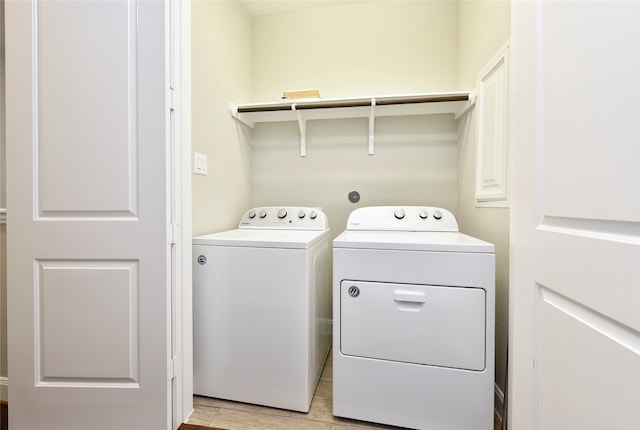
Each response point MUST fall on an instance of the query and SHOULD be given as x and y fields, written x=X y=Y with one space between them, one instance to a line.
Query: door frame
x=182 y=327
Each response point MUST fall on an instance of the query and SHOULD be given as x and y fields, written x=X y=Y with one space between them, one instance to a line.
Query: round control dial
x=313 y=214
x=423 y=214
x=399 y=213
x=301 y=214
x=437 y=215
x=282 y=213
x=252 y=214
x=263 y=214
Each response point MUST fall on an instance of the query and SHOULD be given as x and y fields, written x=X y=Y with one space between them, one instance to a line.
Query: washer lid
x=412 y=241
x=290 y=239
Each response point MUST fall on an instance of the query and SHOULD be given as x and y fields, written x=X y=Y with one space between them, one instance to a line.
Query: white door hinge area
x=173 y=367
x=171 y=99
x=172 y=234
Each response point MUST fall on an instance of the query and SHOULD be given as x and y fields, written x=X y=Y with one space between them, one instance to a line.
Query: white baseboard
x=4 y=388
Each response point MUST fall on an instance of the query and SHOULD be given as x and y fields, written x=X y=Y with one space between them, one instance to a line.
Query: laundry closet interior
x=346 y=50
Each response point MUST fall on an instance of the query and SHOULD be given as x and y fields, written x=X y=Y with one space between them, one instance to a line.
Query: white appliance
x=262 y=308
x=413 y=315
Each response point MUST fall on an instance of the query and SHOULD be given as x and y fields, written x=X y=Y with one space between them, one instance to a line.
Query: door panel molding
x=617 y=231
x=596 y=342
x=101 y=180
x=87 y=321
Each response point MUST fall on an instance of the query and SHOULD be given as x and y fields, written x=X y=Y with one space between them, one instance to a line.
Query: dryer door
x=422 y=324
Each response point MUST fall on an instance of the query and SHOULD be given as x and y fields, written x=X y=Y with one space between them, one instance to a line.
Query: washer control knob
x=423 y=214
x=301 y=214
x=313 y=215
x=282 y=213
x=399 y=213
x=437 y=215
x=252 y=214
x=263 y=214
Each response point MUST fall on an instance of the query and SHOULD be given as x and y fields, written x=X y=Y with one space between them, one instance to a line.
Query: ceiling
x=274 y=7
x=254 y=7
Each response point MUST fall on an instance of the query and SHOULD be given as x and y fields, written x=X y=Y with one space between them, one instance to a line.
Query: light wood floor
x=238 y=416
x=241 y=416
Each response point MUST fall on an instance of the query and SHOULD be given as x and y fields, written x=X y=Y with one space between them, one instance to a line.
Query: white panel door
x=575 y=287
x=87 y=191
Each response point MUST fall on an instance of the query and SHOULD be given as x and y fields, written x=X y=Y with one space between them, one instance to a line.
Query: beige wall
x=483 y=30
x=415 y=163
x=357 y=50
x=221 y=72
x=362 y=49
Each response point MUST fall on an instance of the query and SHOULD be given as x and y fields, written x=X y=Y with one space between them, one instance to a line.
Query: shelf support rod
x=233 y=110
x=470 y=104
x=372 y=117
x=302 y=124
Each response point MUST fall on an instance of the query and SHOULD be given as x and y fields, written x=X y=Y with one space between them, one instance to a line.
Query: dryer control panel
x=402 y=218
x=284 y=217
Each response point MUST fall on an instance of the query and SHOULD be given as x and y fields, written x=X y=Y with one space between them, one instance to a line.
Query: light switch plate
x=199 y=163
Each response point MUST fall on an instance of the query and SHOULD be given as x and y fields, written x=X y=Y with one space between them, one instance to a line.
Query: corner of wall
x=483 y=28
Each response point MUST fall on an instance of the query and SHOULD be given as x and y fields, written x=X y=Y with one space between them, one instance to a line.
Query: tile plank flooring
x=229 y=415
x=224 y=414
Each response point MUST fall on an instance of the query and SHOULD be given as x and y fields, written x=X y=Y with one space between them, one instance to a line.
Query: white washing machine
x=262 y=308
x=413 y=314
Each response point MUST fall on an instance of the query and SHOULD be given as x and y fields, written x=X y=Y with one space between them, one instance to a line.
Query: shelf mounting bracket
x=302 y=124
x=372 y=121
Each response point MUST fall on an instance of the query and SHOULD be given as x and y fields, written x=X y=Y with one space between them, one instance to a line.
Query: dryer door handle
x=409 y=296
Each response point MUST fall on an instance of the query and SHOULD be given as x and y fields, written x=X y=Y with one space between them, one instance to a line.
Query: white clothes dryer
x=413 y=309
x=262 y=308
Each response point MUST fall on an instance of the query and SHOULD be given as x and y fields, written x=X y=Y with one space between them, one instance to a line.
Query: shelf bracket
x=372 y=121
x=302 y=124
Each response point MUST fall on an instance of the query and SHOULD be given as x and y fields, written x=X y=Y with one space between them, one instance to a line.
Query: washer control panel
x=285 y=217
x=402 y=218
